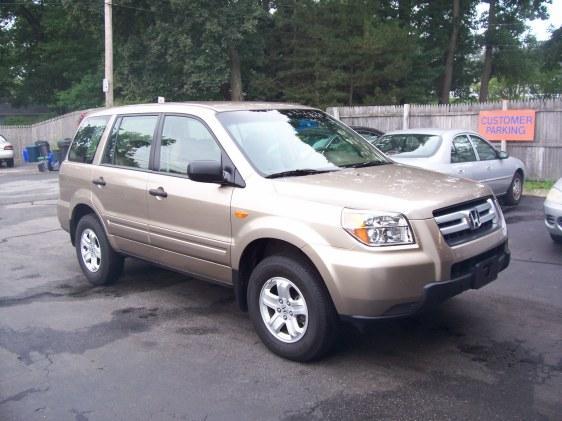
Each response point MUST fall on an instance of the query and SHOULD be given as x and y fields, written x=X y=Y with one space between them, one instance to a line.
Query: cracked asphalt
x=162 y=346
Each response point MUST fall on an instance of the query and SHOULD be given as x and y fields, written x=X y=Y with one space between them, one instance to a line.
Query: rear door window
x=130 y=141
x=462 y=150
x=85 y=143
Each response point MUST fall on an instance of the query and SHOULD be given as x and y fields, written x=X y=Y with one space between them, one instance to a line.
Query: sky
x=540 y=28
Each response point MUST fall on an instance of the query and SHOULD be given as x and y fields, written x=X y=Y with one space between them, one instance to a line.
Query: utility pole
x=108 y=81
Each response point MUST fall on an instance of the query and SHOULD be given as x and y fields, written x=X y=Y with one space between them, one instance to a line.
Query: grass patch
x=538 y=184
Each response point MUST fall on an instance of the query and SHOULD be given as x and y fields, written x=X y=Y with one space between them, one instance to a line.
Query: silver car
x=457 y=152
x=553 y=212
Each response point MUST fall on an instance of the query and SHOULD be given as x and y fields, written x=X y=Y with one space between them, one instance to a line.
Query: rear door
x=189 y=221
x=121 y=182
x=490 y=169
x=463 y=158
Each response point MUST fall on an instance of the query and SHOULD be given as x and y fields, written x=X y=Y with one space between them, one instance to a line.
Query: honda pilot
x=307 y=222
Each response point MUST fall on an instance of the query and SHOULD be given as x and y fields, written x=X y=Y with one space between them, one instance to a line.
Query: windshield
x=284 y=141
x=409 y=145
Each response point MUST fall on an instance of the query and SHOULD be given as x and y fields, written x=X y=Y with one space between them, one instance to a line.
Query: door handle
x=461 y=171
x=159 y=192
x=100 y=182
x=489 y=167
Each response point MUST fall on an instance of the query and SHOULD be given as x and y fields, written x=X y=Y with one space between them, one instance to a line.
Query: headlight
x=554 y=195
x=377 y=228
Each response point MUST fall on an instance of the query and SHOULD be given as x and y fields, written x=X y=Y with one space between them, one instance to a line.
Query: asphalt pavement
x=163 y=346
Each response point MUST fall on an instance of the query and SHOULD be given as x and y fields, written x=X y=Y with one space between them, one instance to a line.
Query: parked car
x=6 y=152
x=231 y=192
x=368 y=133
x=553 y=212
x=457 y=152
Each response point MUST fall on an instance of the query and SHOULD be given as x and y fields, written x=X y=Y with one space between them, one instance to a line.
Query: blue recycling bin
x=31 y=153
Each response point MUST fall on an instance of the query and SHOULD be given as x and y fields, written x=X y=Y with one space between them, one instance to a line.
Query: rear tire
x=10 y=163
x=99 y=262
x=515 y=191
x=299 y=337
x=556 y=238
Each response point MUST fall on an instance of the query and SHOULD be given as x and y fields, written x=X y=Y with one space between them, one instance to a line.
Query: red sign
x=515 y=125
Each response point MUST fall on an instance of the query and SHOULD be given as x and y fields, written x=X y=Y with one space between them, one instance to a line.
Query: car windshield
x=297 y=142
x=408 y=145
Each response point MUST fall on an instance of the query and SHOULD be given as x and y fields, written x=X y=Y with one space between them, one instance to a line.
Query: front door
x=189 y=221
x=490 y=169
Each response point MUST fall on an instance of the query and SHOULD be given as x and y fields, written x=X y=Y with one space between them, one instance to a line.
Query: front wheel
x=291 y=309
x=556 y=238
x=99 y=262
x=515 y=191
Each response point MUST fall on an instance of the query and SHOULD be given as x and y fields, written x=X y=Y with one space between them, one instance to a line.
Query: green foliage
x=318 y=52
x=26 y=120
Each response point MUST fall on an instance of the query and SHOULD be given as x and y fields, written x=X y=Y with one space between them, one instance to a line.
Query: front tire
x=291 y=309
x=99 y=262
x=515 y=191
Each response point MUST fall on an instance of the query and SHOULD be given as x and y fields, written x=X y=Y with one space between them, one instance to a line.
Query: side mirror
x=503 y=155
x=206 y=172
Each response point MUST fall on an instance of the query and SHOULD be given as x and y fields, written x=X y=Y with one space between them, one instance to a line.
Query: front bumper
x=473 y=273
x=553 y=218
x=371 y=283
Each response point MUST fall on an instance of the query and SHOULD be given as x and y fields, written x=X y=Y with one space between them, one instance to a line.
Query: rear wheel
x=515 y=191
x=291 y=309
x=99 y=262
x=10 y=163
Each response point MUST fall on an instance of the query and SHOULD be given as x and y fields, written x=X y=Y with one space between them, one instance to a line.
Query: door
x=121 y=182
x=189 y=221
x=490 y=169
x=463 y=158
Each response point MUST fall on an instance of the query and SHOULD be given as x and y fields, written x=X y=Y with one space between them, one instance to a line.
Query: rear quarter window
x=85 y=143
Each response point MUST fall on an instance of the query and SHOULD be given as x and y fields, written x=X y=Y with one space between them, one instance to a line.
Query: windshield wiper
x=365 y=164
x=295 y=173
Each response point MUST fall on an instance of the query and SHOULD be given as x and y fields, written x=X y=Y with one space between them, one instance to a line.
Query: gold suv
x=303 y=218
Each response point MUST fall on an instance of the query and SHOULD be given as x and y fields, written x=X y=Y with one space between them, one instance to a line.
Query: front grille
x=466 y=266
x=467 y=221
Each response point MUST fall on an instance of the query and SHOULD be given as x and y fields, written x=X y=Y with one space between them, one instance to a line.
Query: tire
x=100 y=263
x=556 y=238
x=10 y=163
x=318 y=329
x=515 y=191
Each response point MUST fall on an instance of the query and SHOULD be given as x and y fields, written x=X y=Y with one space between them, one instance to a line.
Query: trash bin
x=63 y=145
x=44 y=148
x=32 y=153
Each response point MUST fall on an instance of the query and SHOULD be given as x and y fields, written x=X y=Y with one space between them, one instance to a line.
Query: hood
x=393 y=188
x=417 y=162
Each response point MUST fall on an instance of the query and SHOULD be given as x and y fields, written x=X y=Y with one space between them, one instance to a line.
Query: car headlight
x=554 y=195
x=377 y=228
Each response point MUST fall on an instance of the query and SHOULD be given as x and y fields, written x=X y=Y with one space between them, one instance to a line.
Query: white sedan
x=457 y=152
x=6 y=152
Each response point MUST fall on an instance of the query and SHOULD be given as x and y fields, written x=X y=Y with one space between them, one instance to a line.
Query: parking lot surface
x=163 y=346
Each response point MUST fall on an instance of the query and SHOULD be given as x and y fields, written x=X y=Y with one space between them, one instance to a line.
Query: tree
x=450 y=54
x=505 y=24
x=47 y=48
